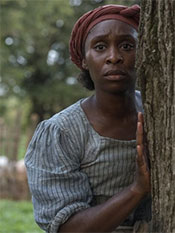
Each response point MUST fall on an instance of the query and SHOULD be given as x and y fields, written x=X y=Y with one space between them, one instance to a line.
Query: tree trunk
x=156 y=74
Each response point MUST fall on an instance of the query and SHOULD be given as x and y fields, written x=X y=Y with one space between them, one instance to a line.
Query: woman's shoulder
x=64 y=128
x=70 y=121
x=68 y=117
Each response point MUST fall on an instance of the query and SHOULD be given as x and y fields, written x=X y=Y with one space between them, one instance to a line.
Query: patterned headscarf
x=129 y=15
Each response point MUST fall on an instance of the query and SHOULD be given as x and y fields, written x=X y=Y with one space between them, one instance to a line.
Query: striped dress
x=71 y=167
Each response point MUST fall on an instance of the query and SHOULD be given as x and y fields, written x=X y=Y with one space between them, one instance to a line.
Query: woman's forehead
x=108 y=27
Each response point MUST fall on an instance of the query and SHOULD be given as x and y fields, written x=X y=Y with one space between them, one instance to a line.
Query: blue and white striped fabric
x=68 y=163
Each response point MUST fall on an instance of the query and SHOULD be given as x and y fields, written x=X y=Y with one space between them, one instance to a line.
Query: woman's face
x=110 y=50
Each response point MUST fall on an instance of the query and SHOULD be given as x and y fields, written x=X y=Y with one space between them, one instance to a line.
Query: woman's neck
x=113 y=116
x=118 y=105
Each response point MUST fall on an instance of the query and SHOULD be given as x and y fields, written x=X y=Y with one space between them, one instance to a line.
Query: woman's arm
x=107 y=216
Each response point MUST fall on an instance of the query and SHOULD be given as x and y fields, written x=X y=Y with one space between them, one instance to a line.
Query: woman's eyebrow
x=127 y=36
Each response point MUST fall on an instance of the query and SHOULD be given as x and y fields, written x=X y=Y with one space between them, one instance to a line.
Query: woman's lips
x=116 y=75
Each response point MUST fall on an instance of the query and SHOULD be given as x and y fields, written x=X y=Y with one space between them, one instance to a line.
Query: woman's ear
x=84 y=64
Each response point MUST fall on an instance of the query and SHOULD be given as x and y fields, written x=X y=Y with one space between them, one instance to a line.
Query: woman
x=81 y=162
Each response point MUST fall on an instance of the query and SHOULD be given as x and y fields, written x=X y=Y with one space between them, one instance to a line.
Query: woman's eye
x=127 y=46
x=100 y=47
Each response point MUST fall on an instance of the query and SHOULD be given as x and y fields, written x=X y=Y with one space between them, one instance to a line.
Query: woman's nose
x=114 y=56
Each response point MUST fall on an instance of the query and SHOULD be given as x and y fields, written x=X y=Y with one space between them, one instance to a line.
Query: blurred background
x=37 y=79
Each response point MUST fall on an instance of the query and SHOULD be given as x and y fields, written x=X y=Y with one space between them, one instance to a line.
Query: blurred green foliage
x=17 y=217
x=35 y=64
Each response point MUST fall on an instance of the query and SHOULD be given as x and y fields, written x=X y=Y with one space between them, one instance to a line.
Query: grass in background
x=17 y=217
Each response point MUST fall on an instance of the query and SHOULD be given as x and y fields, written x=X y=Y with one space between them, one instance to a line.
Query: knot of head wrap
x=129 y=15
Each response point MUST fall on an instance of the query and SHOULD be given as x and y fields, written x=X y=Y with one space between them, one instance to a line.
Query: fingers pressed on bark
x=140 y=117
x=140 y=157
x=139 y=133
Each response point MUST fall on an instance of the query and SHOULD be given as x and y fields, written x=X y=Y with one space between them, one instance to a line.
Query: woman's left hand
x=142 y=178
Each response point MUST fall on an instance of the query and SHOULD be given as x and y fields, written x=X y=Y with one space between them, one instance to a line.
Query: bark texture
x=156 y=74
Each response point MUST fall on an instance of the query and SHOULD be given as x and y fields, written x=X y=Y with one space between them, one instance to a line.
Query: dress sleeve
x=138 y=101
x=59 y=188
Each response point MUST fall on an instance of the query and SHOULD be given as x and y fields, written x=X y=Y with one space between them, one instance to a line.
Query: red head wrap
x=129 y=15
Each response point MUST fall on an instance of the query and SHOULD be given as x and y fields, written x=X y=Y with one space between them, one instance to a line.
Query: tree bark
x=156 y=74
